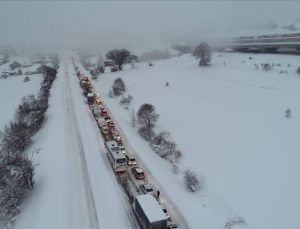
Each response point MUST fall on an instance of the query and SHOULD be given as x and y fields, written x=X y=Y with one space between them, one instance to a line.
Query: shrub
x=26 y=79
x=298 y=70
x=267 y=67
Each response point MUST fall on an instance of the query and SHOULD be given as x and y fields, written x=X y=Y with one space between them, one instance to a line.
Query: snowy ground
x=229 y=121
x=12 y=90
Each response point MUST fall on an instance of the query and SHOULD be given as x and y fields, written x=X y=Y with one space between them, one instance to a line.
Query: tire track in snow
x=76 y=138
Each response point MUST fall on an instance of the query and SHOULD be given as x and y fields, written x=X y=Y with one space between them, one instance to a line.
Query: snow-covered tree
x=15 y=65
x=203 y=52
x=118 y=87
x=15 y=137
x=147 y=115
x=119 y=56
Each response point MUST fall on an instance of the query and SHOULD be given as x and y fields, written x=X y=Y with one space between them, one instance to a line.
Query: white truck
x=149 y=213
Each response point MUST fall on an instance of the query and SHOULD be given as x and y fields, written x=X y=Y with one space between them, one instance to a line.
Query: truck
x=149 y=213
x=91 y=98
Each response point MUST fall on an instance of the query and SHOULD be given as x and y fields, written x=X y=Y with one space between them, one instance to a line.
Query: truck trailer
x=149 y=213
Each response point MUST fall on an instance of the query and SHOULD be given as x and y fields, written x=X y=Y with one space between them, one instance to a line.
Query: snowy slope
x=229 y=121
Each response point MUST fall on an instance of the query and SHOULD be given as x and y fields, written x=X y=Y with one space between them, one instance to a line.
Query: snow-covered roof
x=151 y=208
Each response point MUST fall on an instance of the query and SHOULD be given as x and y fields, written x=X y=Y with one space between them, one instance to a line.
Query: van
x=130 y=159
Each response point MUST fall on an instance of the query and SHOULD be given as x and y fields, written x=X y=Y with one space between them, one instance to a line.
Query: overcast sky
x=133 y=24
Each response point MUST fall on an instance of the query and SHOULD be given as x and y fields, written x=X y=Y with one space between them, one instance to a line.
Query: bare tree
x=203 y=52
x=191 y=181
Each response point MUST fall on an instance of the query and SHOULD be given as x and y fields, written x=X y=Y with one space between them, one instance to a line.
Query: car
x=111 y=124
x=104 y=130
x=130 y=159
x=163 y=207
x=138 y=172
x=147 y=189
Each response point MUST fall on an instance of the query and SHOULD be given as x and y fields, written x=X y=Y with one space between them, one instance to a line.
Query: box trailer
x=149 y=213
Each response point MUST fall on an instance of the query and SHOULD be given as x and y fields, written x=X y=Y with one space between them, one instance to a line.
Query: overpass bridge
x=267 y=43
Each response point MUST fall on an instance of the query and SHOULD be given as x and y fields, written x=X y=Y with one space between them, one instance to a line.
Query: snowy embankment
x=229 y=121
x=75 y=186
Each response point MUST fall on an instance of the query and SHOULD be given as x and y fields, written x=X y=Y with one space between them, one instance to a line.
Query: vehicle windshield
x=115 y=149
x=120 y=161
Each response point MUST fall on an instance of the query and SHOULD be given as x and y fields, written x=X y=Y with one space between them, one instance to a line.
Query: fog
x=135 y=25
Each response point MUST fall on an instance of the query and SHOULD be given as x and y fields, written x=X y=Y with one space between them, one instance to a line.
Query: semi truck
x=149 y=213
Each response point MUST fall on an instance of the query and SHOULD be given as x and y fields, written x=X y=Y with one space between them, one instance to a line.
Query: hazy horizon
x=134 y=25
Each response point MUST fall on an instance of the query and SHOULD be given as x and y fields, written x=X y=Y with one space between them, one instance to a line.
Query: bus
x=115 y=156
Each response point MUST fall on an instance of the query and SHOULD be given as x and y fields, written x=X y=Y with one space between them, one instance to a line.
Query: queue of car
x=111 y=134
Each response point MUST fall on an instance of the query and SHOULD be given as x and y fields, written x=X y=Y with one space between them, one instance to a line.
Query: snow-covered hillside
x=229 y=121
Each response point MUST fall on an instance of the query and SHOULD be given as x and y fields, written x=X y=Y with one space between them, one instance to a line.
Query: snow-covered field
x=229 y=121
x=12 y=90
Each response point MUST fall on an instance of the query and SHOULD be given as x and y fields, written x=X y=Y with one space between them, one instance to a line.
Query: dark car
x=138 y=172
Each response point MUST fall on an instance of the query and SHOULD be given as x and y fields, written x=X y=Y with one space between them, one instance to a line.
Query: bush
x=150 y=64
x=26 y=79
x=192 y=182
x=233 y=222
x=146 y=133
x=298 y=70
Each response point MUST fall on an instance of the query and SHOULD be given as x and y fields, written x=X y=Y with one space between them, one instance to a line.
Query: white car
x=147 y=189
